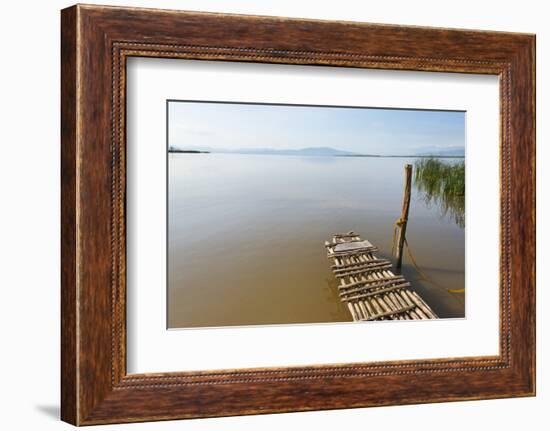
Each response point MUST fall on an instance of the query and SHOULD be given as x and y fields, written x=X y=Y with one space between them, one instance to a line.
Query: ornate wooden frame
x=96 y=41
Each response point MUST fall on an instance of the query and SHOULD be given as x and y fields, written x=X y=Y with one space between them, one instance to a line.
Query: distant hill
x=310 y=151
x=323 y=152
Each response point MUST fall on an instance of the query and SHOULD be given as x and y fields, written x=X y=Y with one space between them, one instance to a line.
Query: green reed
x=443 y=184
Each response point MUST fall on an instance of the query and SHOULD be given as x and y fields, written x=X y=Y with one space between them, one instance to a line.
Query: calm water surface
x=246 y=236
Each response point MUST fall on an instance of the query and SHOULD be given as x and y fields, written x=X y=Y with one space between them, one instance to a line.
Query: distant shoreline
x=431 y=156
x=407 y=156
x=189 y=151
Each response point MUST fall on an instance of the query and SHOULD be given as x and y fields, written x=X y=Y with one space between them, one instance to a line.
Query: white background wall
x=29 y=214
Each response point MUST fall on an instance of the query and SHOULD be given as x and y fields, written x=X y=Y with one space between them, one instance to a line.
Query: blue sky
x=194 y=125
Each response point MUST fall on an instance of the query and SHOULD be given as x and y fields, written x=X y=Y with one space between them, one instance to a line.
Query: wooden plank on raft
x=372 y=283
x=363 y=271
x=332 y=244
x=346 y=298
x=357 y=264
x=346 y=235
x=368 y=287
x=349 y=253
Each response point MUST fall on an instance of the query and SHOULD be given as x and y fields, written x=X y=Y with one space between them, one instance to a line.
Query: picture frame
x=96 y=42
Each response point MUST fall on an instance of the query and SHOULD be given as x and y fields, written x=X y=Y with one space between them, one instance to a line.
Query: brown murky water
x=246 y=235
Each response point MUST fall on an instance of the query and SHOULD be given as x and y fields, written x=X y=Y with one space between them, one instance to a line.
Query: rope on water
x=423 y=276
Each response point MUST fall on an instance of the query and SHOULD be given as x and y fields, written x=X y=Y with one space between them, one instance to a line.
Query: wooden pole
x=404 y=215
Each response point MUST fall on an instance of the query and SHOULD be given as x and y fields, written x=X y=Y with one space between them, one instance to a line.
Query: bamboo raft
x=368 y=286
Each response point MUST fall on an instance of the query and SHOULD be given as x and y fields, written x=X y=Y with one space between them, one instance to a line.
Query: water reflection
x=442 y=183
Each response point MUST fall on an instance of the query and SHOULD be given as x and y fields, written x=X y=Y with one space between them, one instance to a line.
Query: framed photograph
x=263 y=214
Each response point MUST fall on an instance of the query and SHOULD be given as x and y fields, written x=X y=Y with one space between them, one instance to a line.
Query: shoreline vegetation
x=443 y=184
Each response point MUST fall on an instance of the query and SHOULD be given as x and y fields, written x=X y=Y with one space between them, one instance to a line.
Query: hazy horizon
x=248 y=127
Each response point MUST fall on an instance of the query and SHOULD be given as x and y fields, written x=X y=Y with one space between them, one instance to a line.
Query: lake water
x=247 y=232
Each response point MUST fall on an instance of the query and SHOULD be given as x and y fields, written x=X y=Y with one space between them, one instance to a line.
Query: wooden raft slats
x=390 y=313
x=369 y=288
x=348 y=253
x=332 y=244
x=361 y=295
x=357 y=265
x=346 y=235
x=371 y=283
x=365 y=270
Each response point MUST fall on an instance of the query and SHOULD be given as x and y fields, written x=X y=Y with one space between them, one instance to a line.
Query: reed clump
x=443 y=183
